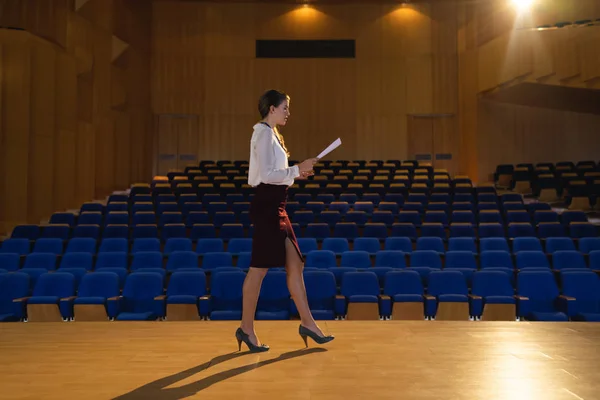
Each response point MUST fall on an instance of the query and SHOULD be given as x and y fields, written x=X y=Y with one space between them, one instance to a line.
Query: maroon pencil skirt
x=271 y=227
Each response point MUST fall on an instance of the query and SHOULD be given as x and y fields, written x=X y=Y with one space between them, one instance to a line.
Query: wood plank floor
x=368 y=360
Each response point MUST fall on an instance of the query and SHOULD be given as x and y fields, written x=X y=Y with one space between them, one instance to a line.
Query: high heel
x=241 y=336
x=305 y=332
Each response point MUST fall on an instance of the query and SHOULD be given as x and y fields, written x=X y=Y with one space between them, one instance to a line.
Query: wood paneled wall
x=510 y=134
x=204 y=72
x=498 y=49
x=76 y=121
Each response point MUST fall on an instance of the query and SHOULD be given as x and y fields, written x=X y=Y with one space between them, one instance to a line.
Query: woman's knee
x=258 y=272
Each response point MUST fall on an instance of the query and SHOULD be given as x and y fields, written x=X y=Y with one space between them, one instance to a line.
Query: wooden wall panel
x=42 y=129
x=16 y=125
x=515 y=134
x=491 y=59
x=61 y=140
x=203 y=66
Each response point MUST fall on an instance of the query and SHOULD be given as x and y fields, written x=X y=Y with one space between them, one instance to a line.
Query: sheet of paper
x=330 y=148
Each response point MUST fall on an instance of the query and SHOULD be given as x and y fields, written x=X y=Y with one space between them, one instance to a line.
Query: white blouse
x=268 y=160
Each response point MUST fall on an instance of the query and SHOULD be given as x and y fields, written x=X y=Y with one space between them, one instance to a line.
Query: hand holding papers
x=336 y=143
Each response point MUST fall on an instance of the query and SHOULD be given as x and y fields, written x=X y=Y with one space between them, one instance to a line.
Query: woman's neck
x=269 y=122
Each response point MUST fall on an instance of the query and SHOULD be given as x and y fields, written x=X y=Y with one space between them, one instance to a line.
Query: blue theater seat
x=13 y=286
x=10 y=261
x=321 y=259
x=91 y=303
x=16 y=246
x=142 y=298
x=361 y=292
x=538 y=297
x=404 y=296
x=568 y=259
x=451 y=291
x=187 y=296
x=337 y=245
x=581 y=295
x=321 y=291
x=274 y=302
x=497 y=302
x=527 y=260
x=52 y=298
x=226 y=295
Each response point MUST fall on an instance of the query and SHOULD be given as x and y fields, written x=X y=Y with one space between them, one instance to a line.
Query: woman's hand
x=307 y=165
x=305 y=175
x=306 y=168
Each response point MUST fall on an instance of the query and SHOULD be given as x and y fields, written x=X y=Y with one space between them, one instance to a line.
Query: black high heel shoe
x=305 y=332
x=241 y=336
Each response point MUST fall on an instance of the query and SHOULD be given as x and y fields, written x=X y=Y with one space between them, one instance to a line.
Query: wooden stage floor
x=367 y=360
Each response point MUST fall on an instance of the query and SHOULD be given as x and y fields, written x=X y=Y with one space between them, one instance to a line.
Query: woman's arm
x=266 y=160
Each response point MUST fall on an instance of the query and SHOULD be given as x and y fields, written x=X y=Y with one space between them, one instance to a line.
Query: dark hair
x=273 y=98
x=270 y=98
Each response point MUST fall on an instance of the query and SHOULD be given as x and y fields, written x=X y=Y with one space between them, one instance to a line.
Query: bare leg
x=295 y=282
x=251 y=290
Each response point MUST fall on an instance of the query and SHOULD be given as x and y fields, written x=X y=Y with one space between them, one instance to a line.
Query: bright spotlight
x=522 y=5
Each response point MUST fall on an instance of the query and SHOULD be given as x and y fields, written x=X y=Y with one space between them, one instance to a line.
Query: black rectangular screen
x=305 y=49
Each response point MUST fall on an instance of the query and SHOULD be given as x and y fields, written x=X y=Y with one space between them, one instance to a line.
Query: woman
x=274 y=242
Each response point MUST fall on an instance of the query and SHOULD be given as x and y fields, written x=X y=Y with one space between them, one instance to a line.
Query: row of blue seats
x=303 y=218
x=429 y=258
x=320 y=231
x=325 y=199
x=143 y=297
x=388 y=215
x=22 y=247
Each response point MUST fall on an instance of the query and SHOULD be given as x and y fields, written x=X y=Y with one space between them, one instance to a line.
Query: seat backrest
x=495 y=243
x=10 y=261
x=460 y=259
x=147 y=259
x=554 y=244
x=447 y=282
x=12 y=286
x=538 y=286
x=337 y=244
x=188 y=283
x=527 y=244
x=320 y=289
x=111 y=260
x=496 y=259
x=462 y=244
x=274 y=293
x=360 y=283
x=403 y=282
x=226 y=290
x=41 y=260
x=564 y=259
x=178 y=244
x=321 y=259
x=425 y=258
x=77 y=260
x=491 y=283
x=399 y=243
x=99 y=284
x=532 y=259
x=212 y=260
x=113 y=245
x=390 y=258
x=355 y=259
x=589 y=244
x=59 y=284
x=182 y=259
x=583 y=285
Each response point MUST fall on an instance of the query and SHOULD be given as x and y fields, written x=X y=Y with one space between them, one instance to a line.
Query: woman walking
x=274 y=242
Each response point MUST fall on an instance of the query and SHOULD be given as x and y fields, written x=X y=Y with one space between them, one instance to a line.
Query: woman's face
x=280 y=114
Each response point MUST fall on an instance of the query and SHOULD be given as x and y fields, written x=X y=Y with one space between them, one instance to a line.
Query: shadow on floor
x=156 y=389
